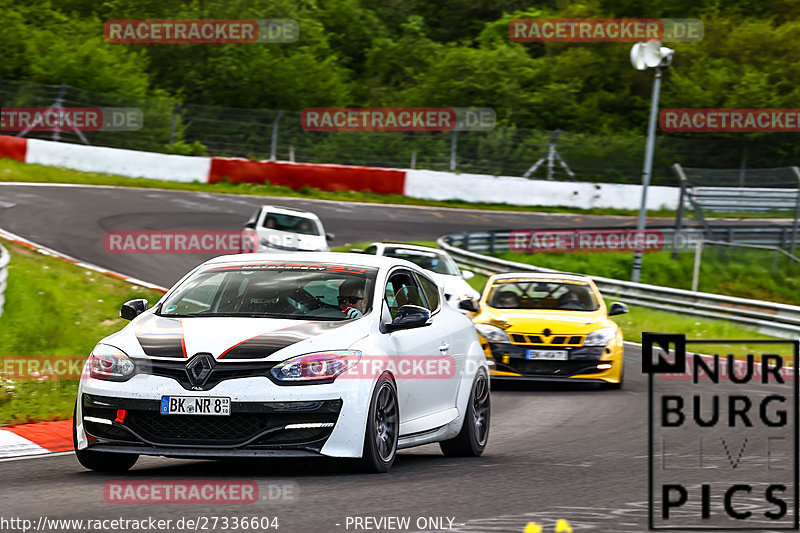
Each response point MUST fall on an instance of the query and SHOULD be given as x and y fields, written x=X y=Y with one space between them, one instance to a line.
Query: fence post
x=453 y=144
x=413 y=159
x=274 y=147
x=796 y=211
x=174 y=124
x=681 y=199
x=698 y=254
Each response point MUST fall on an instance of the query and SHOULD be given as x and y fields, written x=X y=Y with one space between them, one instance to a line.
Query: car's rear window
x=542 y=294
x=291 y=223
x=435 y=262
x=308 y=291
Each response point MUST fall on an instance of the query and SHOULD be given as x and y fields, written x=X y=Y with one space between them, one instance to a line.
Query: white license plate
x=551 y=355
x=195 y=405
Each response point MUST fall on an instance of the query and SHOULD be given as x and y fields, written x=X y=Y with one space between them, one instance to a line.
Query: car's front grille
x=219 y=372
x=156 y=427
x=540 y=340
x=548 y=368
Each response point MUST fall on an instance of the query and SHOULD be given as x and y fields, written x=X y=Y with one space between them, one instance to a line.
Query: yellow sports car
x=552 y=327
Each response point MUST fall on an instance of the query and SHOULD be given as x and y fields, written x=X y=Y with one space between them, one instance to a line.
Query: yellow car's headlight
x=492 y=333
x=600 y=337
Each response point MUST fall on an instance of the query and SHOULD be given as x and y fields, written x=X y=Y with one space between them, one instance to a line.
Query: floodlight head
x=650 y=54
x=636 y=57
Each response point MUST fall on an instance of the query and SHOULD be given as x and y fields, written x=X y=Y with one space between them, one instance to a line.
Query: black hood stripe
x=266 y=344
x=161 y=337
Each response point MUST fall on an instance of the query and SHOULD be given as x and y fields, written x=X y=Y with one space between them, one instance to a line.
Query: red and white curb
x=36 y=439
x=49 y=437
x=53 y=253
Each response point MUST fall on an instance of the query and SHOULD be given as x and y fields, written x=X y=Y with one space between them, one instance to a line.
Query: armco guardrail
x=770 y=318
x=4 y=259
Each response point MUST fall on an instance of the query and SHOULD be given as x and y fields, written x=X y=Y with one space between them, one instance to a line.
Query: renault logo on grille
x=199 y=368
x=546 y=332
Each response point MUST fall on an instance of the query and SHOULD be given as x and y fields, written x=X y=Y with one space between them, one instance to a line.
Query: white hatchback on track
x=320 y=354
x=287 y=229
x=438 y=263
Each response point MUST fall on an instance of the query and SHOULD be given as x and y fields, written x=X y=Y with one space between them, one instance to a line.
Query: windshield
x=542 y=294
x=291 y=223
x=433 y=261
x=291 y=290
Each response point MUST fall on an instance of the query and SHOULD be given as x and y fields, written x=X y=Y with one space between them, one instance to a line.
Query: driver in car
x=570 y=300
x=351 y=298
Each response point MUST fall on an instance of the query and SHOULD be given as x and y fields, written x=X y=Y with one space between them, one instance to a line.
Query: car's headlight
x=600 y=337
x=109 y=363
x=492 y=333
x=313 y=367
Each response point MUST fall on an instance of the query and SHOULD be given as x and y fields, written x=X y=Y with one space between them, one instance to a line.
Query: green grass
x=54 y=308
x=11 y=170
x=742 y=273
x=645 y=319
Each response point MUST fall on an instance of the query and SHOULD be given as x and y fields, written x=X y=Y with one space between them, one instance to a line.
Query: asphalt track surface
x=555 y=451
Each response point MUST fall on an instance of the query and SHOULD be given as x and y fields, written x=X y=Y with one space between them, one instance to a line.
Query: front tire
x=383 y=429
x=101 y=461
x=474 y=434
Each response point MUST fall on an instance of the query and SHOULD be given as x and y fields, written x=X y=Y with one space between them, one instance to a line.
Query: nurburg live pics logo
x=722 y=433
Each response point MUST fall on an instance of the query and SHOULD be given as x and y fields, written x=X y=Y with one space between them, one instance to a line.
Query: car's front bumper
x=251 y=426
x=592 y=363
x=266 y=419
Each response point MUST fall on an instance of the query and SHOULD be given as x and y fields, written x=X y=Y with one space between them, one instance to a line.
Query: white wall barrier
x=435 y=185
x=4 y=259
x=129 y=163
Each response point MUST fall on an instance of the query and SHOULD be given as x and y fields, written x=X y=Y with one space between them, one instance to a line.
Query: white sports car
x=258 y=355
x=438 y=263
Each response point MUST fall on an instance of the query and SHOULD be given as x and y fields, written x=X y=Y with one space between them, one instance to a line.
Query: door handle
x=444 y=347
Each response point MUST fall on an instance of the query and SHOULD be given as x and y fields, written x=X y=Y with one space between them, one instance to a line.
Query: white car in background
x=287 y=229
x=286 y=355
x=438 y=262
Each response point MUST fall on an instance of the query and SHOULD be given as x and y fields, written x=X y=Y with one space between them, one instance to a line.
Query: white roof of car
x=438 y=251
x=289 y=211
x=376 y=261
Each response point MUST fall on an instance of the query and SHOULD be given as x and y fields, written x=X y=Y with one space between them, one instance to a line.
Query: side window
x=431 y=292
x=402 y=290
x=371 y=250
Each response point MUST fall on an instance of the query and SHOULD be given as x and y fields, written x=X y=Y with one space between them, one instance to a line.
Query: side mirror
x=467 y=274
x=468 y=305
x=409 y=317
x=329 y=236
x=250 y=225
x=617 y=308
x=133 y=308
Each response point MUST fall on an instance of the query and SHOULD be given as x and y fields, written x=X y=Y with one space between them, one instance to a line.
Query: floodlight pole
x=647 y=170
